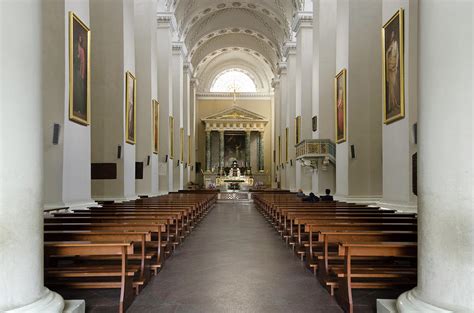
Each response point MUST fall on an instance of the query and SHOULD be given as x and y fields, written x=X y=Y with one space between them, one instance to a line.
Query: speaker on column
x=353 y=153
x=148 y=160
x=119 y=152
x=166 y=158
x=56 y=130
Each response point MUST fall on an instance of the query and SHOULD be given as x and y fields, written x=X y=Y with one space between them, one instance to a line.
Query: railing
x=310 y=151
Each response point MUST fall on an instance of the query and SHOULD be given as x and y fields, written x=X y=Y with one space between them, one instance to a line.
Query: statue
x=234 y=170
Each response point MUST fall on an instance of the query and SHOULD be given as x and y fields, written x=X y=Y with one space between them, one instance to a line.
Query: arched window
x=233 y=80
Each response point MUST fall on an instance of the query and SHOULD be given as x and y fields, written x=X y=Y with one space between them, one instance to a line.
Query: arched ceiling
x=223 y=34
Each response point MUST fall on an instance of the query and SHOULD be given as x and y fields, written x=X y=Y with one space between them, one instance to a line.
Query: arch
x=241 y=79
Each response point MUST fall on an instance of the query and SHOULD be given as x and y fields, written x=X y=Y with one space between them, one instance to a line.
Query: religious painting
x=297 y=129
x=234 y=149
x=156 y=126
x=181 y=143
x=393 y=69
x=130 y=108
x=189 y=149
x=279 y=149
x=340 y=105
x=79 y=70
x=171 y=132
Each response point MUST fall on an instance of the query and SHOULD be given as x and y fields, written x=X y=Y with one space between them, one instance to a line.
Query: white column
x=358 y=49
x=445 y=161
x=398 y=138
x=179 y=55
x=147 y=91
x=166 y=27
x=276 y=126
x=303 y=27
x=67 y=165
x=283 y=71
x=21 y=161
x=324 y=69
x=194 y=83
x=290 y=166
x=187 y=76
x=115 y=43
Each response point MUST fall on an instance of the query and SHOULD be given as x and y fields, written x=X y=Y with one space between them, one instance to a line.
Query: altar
x=234 y=151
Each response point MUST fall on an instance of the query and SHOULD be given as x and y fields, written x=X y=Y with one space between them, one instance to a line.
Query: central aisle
x=234 y=262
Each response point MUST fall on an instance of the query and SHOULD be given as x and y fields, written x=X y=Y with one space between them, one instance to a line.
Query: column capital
x=302 y=20
x=194 y=82
x=179 y=48
x=282 y=68
x=289 y=48
x=275 y=82
x=188 y=68
x=166 y=20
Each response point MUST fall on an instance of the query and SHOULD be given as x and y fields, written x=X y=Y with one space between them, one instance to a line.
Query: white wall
x=360 y=179
x=113 y=53
x=398 y=143
x=67 y=165
x=177 y=75
x=165 y=97
x=146 y=70
x=324 y=70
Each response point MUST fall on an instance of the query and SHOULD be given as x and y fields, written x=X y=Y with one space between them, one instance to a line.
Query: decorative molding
x=282 y=68
x=179 y=47
x=166 y=20
x=194 y=82
x=235 y=118
x=289 y=47
x=302 y=20
x=275 y=82
x=188 y=68
x=230 y=95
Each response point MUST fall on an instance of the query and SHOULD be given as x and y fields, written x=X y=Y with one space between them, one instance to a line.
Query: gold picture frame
x=181 y=144
x=393 y=69
x=190 y=146
x=287 y=137
x=297 y=129
x=279 y=149
x=171 y=126
x=340 y=106
x=130 y=108
x=79 y=70
x=156 y=126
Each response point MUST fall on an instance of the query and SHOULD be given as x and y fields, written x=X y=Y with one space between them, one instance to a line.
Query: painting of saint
x=130 y=107
x=156 y=130
x=79 y=70
x=393 y=93
x=234 y=149
x=340 y=106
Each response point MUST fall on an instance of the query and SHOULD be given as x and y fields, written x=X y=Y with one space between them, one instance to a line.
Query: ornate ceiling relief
x=225 y=34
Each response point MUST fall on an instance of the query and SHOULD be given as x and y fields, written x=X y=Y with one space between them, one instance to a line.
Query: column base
x=402 y=207
x=50 y=302
x=409 y=302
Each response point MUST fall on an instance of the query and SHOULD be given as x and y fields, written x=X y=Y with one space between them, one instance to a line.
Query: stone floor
x=233 y=262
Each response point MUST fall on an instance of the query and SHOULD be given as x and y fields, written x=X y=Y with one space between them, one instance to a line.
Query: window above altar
x=233 y=80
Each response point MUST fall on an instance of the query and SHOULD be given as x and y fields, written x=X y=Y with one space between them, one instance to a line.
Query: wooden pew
x=373 y=277
x=140 y=238
x=93 y=278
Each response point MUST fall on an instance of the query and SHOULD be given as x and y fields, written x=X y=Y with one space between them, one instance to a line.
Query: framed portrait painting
x=340 y=105
x=130 y=107
x=297 y=130
x=181 y=144
x=393 y=69
x=156 y=126
x=79 y=70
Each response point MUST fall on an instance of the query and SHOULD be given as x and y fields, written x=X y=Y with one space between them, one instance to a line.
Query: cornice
x=166 y=20
x=302 y=20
